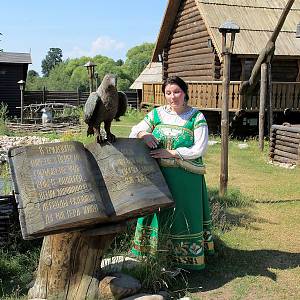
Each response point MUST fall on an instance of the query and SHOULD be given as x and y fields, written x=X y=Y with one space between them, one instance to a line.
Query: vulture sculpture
x=103 y=106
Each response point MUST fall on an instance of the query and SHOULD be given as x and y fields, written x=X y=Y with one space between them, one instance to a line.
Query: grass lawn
x=257 y=234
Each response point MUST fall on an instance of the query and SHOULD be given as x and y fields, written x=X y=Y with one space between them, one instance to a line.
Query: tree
x=119 y=62
x=71 y=74
x=137 y=59
x=53 y=58
x=32 y=73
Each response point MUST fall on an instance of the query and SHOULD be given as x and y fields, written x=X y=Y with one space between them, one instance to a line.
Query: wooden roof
x=151 y=74
x=256 y=18
x=15 y=58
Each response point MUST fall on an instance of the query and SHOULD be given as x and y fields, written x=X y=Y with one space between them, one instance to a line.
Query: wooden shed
x=13 y=67
x=189 y=44
x=152 y=74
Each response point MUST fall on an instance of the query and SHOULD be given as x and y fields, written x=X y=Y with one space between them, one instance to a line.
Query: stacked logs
x=285 y=144
x=7 y=213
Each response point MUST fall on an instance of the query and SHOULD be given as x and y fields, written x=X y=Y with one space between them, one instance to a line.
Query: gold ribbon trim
x=184 y=164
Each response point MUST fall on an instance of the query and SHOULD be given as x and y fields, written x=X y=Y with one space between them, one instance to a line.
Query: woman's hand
x=149 y=139
x=163 y=153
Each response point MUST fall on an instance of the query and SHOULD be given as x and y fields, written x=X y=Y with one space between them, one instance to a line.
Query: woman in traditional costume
x=177 y=135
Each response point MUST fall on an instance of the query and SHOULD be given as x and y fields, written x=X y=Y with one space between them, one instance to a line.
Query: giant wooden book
x=66 y=186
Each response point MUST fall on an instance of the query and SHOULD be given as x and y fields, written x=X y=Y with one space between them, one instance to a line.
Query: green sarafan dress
x=184 y=231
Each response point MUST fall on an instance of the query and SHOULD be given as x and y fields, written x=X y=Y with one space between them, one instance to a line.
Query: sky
x=78 y=27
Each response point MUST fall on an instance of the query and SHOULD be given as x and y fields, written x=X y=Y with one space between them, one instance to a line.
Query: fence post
x=44 y=94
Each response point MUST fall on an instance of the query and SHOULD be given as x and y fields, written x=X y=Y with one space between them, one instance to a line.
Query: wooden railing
x=207 y=95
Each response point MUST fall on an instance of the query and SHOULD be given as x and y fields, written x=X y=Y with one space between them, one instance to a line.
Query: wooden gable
x=188 y=52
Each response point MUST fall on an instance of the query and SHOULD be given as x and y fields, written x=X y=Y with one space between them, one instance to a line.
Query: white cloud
x=103 y=45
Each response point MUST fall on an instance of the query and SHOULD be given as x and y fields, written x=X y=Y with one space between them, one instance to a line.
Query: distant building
x=13 y=67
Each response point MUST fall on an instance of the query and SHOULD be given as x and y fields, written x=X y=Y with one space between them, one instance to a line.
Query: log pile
x=285 y=144
x=7 y=213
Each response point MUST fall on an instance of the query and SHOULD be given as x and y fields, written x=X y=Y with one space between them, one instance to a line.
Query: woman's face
x=175 y=96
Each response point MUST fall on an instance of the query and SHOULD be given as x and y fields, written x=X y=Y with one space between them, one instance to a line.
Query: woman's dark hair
x=180 y=82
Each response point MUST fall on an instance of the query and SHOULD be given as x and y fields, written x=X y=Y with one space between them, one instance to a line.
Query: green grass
x=252 y=174
x=16 y=271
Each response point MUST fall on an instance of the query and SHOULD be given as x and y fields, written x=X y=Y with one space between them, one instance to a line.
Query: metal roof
x=15 y=58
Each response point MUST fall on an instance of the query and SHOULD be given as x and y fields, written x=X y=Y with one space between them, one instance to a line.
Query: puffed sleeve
x=145 y=125
x=200 y=140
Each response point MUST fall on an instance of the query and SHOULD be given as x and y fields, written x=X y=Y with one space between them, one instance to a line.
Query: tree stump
x=69 y=266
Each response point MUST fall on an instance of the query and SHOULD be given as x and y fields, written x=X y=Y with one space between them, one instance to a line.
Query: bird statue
x=103 y=106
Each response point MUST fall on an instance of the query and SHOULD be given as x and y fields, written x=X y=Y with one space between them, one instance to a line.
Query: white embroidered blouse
x=167 y=116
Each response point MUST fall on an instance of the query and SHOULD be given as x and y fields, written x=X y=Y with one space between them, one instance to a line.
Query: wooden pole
x=22 y=104
x=44 y=94
x=225 y=125
x=91 y=85
x=267 y=53
x=262 y=105
x=270 y=96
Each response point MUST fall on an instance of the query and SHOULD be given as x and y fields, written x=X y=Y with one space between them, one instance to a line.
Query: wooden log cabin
x=285 y=144
x=13 y=67
x=189 y=45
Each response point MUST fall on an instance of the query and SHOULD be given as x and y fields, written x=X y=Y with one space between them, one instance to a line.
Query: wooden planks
x=75 y=98
x=203 y=94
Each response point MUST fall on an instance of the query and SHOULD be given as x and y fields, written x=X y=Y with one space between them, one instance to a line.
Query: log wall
x=285 y=144
x=283 y=70
x=188 y=53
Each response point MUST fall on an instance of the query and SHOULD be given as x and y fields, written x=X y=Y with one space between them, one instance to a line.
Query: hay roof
x=151 y=74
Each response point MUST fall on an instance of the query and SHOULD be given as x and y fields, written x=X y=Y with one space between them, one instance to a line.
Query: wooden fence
x=207 y=95
x=75 y=98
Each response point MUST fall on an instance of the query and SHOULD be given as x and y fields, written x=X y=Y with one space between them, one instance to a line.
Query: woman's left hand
x=163 y=153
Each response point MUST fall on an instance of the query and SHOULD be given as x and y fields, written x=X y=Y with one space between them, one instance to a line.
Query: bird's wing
x=90 y=106
x=122 y=106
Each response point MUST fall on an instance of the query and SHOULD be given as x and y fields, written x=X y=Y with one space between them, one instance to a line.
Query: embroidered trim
x=184 y=164
x=186 y=236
